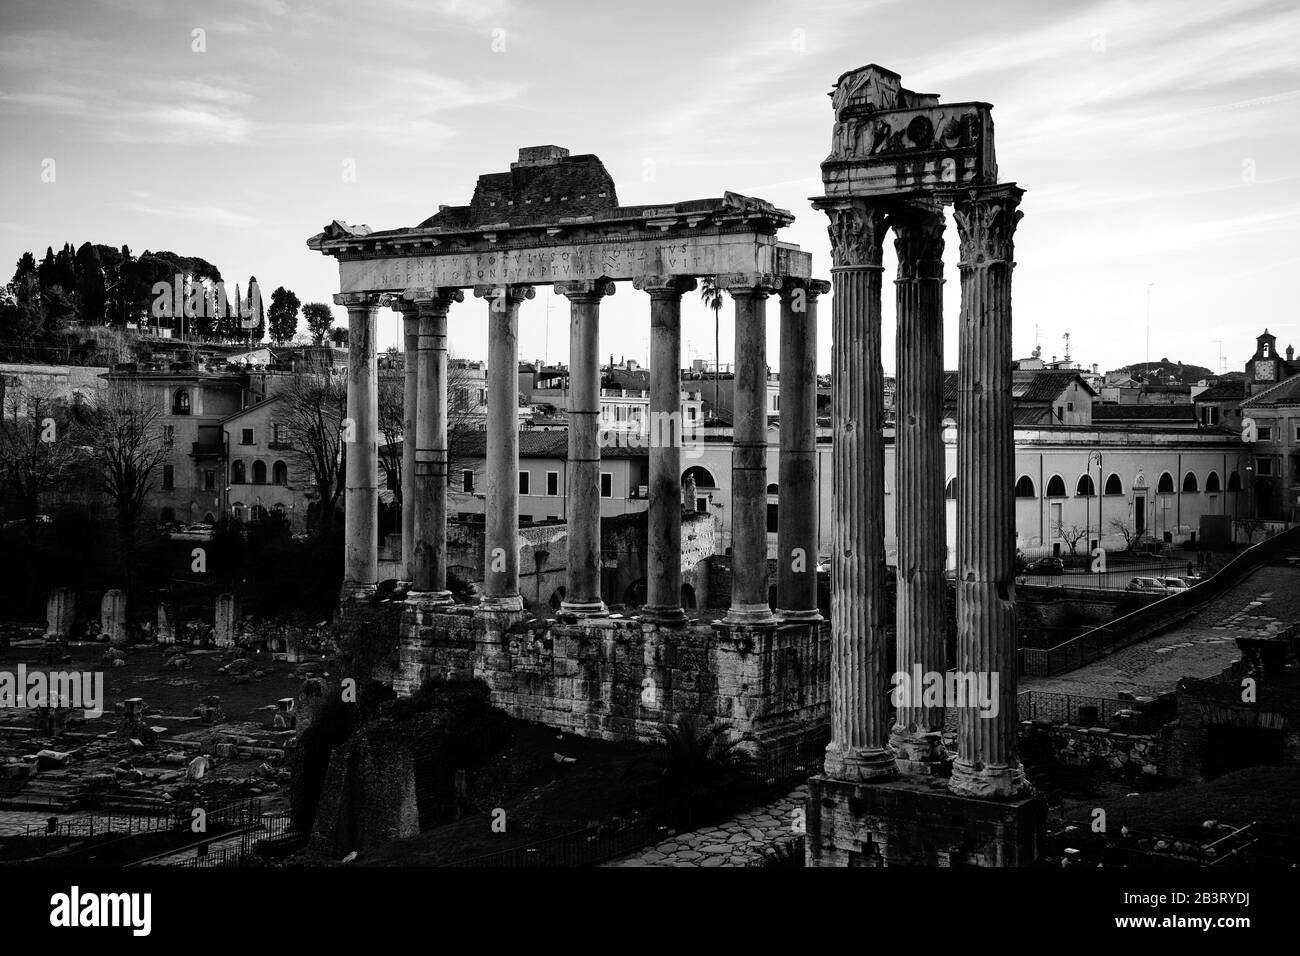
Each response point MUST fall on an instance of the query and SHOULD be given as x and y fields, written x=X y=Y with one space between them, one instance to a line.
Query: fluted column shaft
x=749 y=603
x=429 y=556
x=986 y=764
x=664 y=536
x=501 y=542
x=410 y=393
x=361 y=448
x=797 y=468
x=859 y=749
x=918 y=478
x=582 y=577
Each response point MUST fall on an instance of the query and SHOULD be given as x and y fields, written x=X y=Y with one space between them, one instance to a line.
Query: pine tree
x=90 y=285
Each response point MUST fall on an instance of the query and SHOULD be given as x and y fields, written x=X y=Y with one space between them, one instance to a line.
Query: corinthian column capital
x=986 y=225
x=918 y=240
x=857 y=232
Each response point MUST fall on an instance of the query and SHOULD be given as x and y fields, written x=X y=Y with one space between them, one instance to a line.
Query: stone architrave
x=112 y=616
x=226 y=621
x=859 y=749
x=986 y=763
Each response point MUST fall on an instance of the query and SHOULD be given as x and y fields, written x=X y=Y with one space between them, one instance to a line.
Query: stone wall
x=1111 y=753
x=1207 y=704
x=915 y=821
x=621 y=679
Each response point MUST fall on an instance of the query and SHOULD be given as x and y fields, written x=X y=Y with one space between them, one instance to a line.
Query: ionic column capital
x=791 y=287
x=664 y=287
x=513 y=294
x=918 y=240
x=758 y=285
x=857 y=233
x=359 y=300
x=577 y=290
x=986 y=225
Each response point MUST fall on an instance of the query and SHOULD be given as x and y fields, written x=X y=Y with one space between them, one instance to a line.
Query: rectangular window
x=466 y=480
x=1264 y=466
x=209 y=481
x=552 y=483
x=246 y=436
x=772 y=518
x=702 y=505
x=1297 y=433
x=1265 y=432
x=169 y=478
x=1060 y=413
x=523 y=483
x=606 y=484
x=690 y=413
x=1069 y=406
x=169 y=435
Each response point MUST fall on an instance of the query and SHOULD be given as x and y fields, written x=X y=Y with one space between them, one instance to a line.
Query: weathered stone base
x=917 y=822
x=623 y=679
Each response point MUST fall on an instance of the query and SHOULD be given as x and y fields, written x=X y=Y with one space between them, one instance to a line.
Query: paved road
x=1268 y=600
x=738 y=842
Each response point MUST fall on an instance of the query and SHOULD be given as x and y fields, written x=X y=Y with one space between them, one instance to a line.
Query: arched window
x=1212 y=483
x=259 y=472
x=771 y=489
x=257 y=513
x=1025 y=487
x=280 y=473
x=1189 y=482
x=1234 y=482
x=238 y=475
x=1166 y=484
x=237 y=511
x=1113 y=485
x=1056 y=487
x=703 y=477
x=181 y=402
x=950 y=491
x=1086 y=488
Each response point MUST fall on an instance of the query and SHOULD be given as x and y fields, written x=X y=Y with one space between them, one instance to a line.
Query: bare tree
x=392 y=402
x=1132 y=537
x=1071 y=536
x=313 y=406
x=128 y=448
x=36 y=447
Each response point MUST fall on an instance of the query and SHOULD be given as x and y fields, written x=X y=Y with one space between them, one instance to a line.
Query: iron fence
x=1081 y=709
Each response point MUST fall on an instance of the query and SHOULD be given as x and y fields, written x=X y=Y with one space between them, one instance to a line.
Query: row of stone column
x=425 y=459
x=863 y=746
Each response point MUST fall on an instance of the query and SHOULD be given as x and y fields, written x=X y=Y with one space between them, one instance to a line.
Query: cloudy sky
x=1157 y=141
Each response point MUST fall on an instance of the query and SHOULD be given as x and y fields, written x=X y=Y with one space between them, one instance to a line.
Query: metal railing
x=1080 y=709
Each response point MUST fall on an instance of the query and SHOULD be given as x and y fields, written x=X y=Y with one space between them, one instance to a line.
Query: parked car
x=1048 y=566
x=1174 y=584
x=193 y=532
x=1147 y=586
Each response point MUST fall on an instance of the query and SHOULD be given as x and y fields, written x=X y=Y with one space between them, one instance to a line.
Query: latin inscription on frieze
x=706 y=255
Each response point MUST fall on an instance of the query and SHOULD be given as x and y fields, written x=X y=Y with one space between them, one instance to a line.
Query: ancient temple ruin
x=889 y=795
x=897 y=158
x=555 y=219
